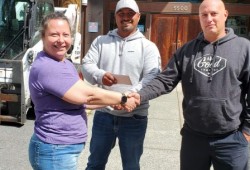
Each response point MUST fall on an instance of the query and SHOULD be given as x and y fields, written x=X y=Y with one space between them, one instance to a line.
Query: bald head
x=213 y=16
x=205 y=3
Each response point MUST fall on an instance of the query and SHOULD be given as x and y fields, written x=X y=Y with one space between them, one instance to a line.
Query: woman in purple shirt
x=59 y=96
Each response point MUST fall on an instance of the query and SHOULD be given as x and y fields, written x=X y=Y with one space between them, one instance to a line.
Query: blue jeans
x=45 y=156
x=229 y=152
x=130 y=132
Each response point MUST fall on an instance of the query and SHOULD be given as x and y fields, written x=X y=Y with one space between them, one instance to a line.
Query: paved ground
x=162 y=143
x=161 y=149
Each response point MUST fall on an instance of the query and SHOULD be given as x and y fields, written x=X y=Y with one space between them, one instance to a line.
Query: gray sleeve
x=151 y=65
x=246 y=114
x=90 y=69
x=163 y=83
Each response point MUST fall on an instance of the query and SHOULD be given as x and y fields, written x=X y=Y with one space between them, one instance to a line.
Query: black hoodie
x=215 y=83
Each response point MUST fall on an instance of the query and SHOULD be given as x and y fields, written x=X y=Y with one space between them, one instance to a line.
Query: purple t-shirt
x=57 y=121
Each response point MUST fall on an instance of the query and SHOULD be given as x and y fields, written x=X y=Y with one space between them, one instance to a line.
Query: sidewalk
x=162 y=142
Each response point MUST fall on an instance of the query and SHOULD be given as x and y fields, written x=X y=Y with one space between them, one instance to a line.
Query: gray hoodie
x=134 y=56
x=215 y=82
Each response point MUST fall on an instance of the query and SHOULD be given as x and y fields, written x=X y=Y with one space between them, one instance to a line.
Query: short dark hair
x=47 y=18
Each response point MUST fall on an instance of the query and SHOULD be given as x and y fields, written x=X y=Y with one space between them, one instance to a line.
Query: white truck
x=19 y=44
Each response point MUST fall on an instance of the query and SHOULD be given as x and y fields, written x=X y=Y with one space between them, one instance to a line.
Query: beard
x=127 y=26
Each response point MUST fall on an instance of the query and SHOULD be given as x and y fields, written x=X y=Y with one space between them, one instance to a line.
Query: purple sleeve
x=59 y=78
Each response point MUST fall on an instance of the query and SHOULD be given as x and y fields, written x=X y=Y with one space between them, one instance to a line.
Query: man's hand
x=132 y=102
x=108 y=79
x=118 y=107
x=136 y=96
x=130 y=105
x=246 y=136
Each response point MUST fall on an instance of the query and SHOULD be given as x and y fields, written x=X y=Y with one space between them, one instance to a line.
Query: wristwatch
x=124 y=98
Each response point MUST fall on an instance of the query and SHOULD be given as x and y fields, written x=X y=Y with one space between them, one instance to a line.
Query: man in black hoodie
x=214 y=70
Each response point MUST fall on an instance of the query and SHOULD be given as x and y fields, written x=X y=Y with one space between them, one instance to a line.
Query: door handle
x=174 y=47
x=179 y=44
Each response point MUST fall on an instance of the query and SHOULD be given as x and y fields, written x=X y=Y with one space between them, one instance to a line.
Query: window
x=240 y=25
x=12 y=18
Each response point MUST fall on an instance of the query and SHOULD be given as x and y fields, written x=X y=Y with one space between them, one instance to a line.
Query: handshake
x=133 y=100
x=112 y=99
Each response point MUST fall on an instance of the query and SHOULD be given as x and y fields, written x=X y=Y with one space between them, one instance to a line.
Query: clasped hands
x=133 y=100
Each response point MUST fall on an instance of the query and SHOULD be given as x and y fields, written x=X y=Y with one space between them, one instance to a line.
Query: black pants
x=199 y=152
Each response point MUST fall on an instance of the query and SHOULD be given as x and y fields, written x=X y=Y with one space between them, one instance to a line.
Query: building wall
x=94 y=15
x=101 y=12
x=65 y=3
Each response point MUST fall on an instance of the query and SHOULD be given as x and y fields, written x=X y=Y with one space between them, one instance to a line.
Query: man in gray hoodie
x=214 y=70
x=122 y=52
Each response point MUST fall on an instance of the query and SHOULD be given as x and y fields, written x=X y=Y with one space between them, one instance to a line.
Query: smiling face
x=213 y=15
x=126 y=21
x=57 y=38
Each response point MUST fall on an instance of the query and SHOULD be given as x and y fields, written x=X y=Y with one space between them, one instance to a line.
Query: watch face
x=124 y=99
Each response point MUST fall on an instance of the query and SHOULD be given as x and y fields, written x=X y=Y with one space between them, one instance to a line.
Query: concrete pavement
x=162 y=142
x=161 y=148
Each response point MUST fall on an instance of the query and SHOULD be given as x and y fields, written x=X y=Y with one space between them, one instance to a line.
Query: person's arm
x=246 y=117
x=246 y=124
x=81 y=93
x=164 y=82
x=92 y=73
x=93 y=107
x=245 y=75
x=151 y=66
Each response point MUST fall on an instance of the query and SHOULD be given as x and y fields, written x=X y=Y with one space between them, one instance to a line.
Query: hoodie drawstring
x=121 y=46
x=213 y=61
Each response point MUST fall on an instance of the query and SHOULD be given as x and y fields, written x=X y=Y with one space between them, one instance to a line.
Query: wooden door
x=170 y=32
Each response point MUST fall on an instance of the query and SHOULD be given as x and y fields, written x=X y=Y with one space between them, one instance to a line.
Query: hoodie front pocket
x=207 y=114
